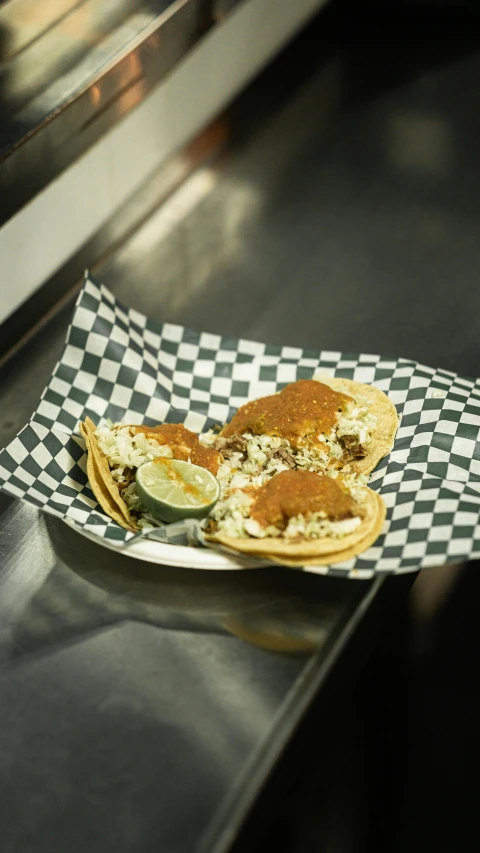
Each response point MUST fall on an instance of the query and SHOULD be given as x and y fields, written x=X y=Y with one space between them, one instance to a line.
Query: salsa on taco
x=115 y=452
x=292 y=469
x=299 y=517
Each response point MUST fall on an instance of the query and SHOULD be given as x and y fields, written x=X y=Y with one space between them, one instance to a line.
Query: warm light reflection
x=80 y=25
x=137 y=90
x=95 y=95
x=264 y=633
x=178 y=219
x=26 y=13
x=24 y=20
x=134 y=64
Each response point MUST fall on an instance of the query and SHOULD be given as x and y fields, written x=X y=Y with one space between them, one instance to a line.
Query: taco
x=101 y=482
x=299 y=518
x=362 y=450
x=311 y=425
x=115 y=452
x=313 y=440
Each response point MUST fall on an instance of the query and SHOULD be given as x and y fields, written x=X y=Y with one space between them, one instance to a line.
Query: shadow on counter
x=90 y=588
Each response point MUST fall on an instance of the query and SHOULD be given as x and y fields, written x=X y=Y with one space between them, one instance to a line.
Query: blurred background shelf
x=94 y=100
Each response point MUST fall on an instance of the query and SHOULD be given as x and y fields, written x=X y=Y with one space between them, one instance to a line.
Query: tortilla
x=104 y=486
x=341 y=556
x=380 y=406
x=289 y=552
x=101 y=481
x=273 y=422
x=322 y=552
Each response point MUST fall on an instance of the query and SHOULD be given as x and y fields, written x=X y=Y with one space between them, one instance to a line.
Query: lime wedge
x=170 y=489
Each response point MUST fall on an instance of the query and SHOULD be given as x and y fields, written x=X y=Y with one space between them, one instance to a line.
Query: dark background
x=400 y=773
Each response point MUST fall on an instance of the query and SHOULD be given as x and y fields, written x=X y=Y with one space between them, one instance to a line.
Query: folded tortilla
x=353 y=550
x=387 y=420
x=322 y=552
x=177 y=440
x=101 y=481
x=290 y=552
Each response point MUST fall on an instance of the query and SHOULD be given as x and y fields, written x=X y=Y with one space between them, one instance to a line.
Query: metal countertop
x=140 y=705
x=136 y=699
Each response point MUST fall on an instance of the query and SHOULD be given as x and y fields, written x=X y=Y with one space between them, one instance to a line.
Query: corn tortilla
x=298 y=552
x=316 y=551
x=383 y=409
x=101 y=481
x=346 y=554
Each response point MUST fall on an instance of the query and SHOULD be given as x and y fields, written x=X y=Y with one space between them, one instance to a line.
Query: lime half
x=170 y=489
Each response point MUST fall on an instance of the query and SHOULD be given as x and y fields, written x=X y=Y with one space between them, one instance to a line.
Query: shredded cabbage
x=232 y=519
x=126 y=451
x=262 y=459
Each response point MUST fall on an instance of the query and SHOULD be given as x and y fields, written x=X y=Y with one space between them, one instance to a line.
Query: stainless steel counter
x=141 y=708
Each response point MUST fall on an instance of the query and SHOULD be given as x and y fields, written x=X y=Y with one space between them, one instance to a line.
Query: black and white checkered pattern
x=121 y=365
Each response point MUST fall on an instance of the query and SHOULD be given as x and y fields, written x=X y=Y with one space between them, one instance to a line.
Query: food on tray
x=335 y=424
x=116 y=452
x=285 y=479
x=318 y=424
x=299 y=517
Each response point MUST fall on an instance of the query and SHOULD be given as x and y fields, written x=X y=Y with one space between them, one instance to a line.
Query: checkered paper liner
x=121 y=365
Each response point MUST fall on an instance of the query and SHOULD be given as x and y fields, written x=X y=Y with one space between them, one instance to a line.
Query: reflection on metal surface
x=432 y=589
x=168 y=217
x=266 y=602
x=60 y=592
x=64 y=50
x=19 y=584
x=61 y=90
x=138 y=642
x=95 y=95
x=271 y=638
x=60 y=291
x=25 y=21
x=225 y=242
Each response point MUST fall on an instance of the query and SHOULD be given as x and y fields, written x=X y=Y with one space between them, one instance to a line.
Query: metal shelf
x=70 y=70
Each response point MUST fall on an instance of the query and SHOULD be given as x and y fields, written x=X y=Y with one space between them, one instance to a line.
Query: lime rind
x=172 y=501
